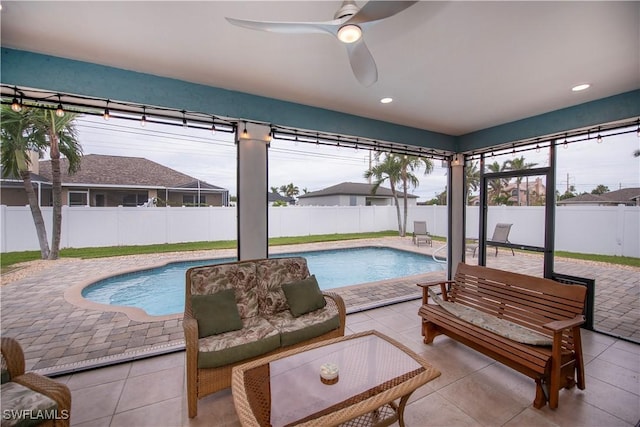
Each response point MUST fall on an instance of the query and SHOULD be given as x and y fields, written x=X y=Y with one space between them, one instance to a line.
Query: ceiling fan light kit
x=349 y=33
x=348 y=26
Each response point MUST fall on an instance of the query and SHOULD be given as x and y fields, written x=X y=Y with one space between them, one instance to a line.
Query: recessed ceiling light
x=386 y=100
x=580 y=87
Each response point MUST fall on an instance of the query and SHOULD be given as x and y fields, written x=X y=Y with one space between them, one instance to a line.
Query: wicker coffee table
x=374 y=371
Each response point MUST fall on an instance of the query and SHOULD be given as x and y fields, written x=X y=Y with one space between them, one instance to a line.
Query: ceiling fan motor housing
x=348 y=8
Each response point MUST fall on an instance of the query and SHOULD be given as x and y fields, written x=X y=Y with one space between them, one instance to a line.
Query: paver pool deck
x=60 y=332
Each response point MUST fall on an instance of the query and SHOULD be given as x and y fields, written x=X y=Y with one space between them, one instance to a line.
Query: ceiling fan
x=348 y=26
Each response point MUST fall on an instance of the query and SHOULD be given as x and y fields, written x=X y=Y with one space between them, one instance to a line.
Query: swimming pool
x=160 y=291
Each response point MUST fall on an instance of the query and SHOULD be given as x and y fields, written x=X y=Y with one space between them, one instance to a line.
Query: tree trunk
x=36 y=213
x=56 y=181
x=406 y=210
x=395 y=199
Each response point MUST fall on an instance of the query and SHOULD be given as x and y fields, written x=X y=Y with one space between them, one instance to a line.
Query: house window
x=192 y=200
x=353 y=200
x=100 y=200
x=134 y=199
x=78 y=198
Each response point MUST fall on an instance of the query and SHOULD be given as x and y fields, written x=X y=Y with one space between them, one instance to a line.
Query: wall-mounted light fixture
x=270 y=134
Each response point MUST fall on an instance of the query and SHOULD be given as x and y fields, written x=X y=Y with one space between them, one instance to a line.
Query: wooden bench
x=549 y=308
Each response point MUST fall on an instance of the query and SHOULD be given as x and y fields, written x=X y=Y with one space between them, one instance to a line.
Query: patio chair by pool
x=420 y=233
x=500 y=235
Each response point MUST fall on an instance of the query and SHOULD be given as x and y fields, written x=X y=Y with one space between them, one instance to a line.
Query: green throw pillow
x=304 y=296
x=216 y=313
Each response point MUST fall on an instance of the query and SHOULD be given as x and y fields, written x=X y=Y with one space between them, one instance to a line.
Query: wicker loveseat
x=29 y=398
x=240 y=311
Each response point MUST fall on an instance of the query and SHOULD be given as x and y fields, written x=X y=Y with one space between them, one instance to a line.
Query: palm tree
x=408 y=165
x=398 y=170
x=472 y=180
x=18 y=138
x=496 y=193
x=519 y=164
x=290 y=190
x=387 y=170
x=62 y=137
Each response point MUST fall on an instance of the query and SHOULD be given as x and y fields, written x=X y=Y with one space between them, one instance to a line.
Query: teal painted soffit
x=606 y=110
x=29 y=69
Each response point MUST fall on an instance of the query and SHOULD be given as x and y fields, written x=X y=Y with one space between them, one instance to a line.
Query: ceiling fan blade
x=330 y=27
x=377 y=10
x=362 y=63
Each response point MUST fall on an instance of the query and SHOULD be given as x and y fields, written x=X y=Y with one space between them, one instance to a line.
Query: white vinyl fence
x=585 y=229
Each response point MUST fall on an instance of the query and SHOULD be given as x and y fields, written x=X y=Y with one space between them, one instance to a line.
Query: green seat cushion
x=311 y=325
x=309 y=332
x=257 y=337
x=486 y=321
x=216 y=313
x=303 y=296
x=23 y=407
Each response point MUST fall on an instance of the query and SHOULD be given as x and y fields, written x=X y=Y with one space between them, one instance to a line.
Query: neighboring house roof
x=352 y=188
x=97 y=169
x=274 y=197
x=624 y=196
x=13 y=181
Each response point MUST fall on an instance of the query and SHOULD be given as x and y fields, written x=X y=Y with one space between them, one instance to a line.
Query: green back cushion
x=303 y=296
x=216 y=313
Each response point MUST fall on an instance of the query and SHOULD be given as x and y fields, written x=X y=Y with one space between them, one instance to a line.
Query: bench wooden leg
x=541 y=397
x=577 y=348
x=429 y=332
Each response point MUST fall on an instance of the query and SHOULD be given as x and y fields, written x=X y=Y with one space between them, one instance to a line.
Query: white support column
x=457 y=214
x=252 y=191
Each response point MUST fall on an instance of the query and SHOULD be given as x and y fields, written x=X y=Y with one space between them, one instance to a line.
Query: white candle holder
x=329 y=373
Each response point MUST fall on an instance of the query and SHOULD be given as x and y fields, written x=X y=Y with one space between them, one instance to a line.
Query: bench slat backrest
x=522 y=299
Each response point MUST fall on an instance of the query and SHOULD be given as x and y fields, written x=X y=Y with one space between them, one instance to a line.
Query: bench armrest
x=443 y=288
x=559 y=325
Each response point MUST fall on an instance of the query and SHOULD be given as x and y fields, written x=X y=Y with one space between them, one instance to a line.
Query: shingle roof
x=274 y=197
x=352 y=188
x=120 y=170
x=622 y=196
x=34 y=177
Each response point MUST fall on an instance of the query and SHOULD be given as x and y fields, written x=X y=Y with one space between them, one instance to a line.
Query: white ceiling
x=451 y=67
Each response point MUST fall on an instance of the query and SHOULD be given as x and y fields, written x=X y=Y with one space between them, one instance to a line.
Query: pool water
x=160 y=291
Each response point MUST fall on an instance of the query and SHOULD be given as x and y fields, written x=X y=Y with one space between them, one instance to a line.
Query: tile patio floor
x=473 y=390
